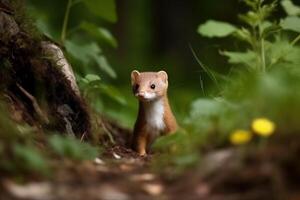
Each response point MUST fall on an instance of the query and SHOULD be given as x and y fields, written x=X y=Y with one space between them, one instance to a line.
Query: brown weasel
x=155 y=116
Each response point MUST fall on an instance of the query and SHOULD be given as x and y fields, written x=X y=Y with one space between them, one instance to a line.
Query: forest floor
x=120 y=174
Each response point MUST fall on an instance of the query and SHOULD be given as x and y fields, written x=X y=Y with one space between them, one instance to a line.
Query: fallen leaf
x=116 y=156
x=39 y=191
x=125 y=167
x=108 y=192
x=152 y=188
x=99 y=161
x=143 y=177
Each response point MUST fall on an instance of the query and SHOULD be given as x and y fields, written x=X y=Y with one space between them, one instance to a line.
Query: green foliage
x=99 y=33
x=88 y=54
x=273 y=95
x=178 y=151
x=83 y=52
x=30 y=158
x=91 y=79
x=210 y=115
x=83 y=39
x=95 y=90
x=290 y=8
x=72 y=148
x=269 y=88
x=247 y=58
x=17 y=152
x=102 y=8
x=20 y=154
x=258 y=35
x=249 y=95
x=213 y=28
x=291 y=23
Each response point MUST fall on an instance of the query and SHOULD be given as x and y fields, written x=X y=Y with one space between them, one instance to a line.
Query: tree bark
x=35 y=73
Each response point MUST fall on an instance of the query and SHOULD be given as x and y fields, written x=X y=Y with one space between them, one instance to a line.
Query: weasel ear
x=163 y=75
x=134 y=75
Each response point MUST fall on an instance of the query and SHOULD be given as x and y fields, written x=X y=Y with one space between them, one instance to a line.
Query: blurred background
x=149 y=36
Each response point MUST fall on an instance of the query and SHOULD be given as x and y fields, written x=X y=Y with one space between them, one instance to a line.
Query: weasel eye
x=152 y=86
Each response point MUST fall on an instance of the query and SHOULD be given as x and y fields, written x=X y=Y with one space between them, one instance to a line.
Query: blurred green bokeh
x=150 y=35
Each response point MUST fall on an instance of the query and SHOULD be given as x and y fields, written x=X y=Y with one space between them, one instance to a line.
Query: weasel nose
x=141 y=94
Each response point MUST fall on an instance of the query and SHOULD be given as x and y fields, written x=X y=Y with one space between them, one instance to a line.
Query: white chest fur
x=154 y=112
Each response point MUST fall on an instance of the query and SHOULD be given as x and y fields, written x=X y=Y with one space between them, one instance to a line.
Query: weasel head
x=149 y=86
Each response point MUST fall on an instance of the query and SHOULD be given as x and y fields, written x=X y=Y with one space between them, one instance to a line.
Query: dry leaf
x=153 y=189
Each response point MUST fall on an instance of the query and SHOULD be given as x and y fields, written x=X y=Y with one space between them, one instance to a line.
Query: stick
x=34 y=104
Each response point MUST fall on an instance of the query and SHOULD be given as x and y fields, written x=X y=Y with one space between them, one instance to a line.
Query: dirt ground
x=120 y=174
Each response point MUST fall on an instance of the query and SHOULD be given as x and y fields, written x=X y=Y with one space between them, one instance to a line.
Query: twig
x=107 y=132
x=34 y=104
x=83 y=135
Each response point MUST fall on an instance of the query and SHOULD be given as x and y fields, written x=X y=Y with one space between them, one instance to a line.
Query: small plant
x=268 y=87
x=84 y=49
x=18 y=154
x=83 y=36
x=68 y=147
x=264 y=41
x=94 y=90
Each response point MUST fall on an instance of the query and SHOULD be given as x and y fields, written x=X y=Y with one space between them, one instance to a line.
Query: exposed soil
x=119 y=173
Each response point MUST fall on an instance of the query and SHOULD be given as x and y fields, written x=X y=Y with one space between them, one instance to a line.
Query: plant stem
x=262 y=47
x=263 y=57
x=295 y=40
x=65 y=23
x=261 y=37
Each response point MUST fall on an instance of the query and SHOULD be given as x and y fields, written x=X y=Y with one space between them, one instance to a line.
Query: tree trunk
x=36 y=79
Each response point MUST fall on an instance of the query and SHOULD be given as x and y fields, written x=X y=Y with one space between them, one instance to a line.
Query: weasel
x=155 y=116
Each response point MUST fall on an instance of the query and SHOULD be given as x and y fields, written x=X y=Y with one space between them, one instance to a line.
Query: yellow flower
x=263 y=127
x=240 y=137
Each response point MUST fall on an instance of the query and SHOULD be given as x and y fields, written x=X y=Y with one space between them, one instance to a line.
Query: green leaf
x=291 y=23
x=89 y=52
x=293 y=55
x=103 y=8
x=244 y=35
x=31 y=158
x=290 y=8
x=251 y=18
x=247 y=58
x=266 y=10
x=205 y=108
x=44 y=28
x=281 y=51
x=113 y=93
x=165 y=142
x=252 y=4
x=213 y=28
x=270 y=29
x=99 y=33
x=83 y=52
x=72 y=148
x=187 y=159
x=92 y=78
x=105 y=66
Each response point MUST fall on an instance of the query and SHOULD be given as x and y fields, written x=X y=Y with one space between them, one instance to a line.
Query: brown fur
x=143 y=136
